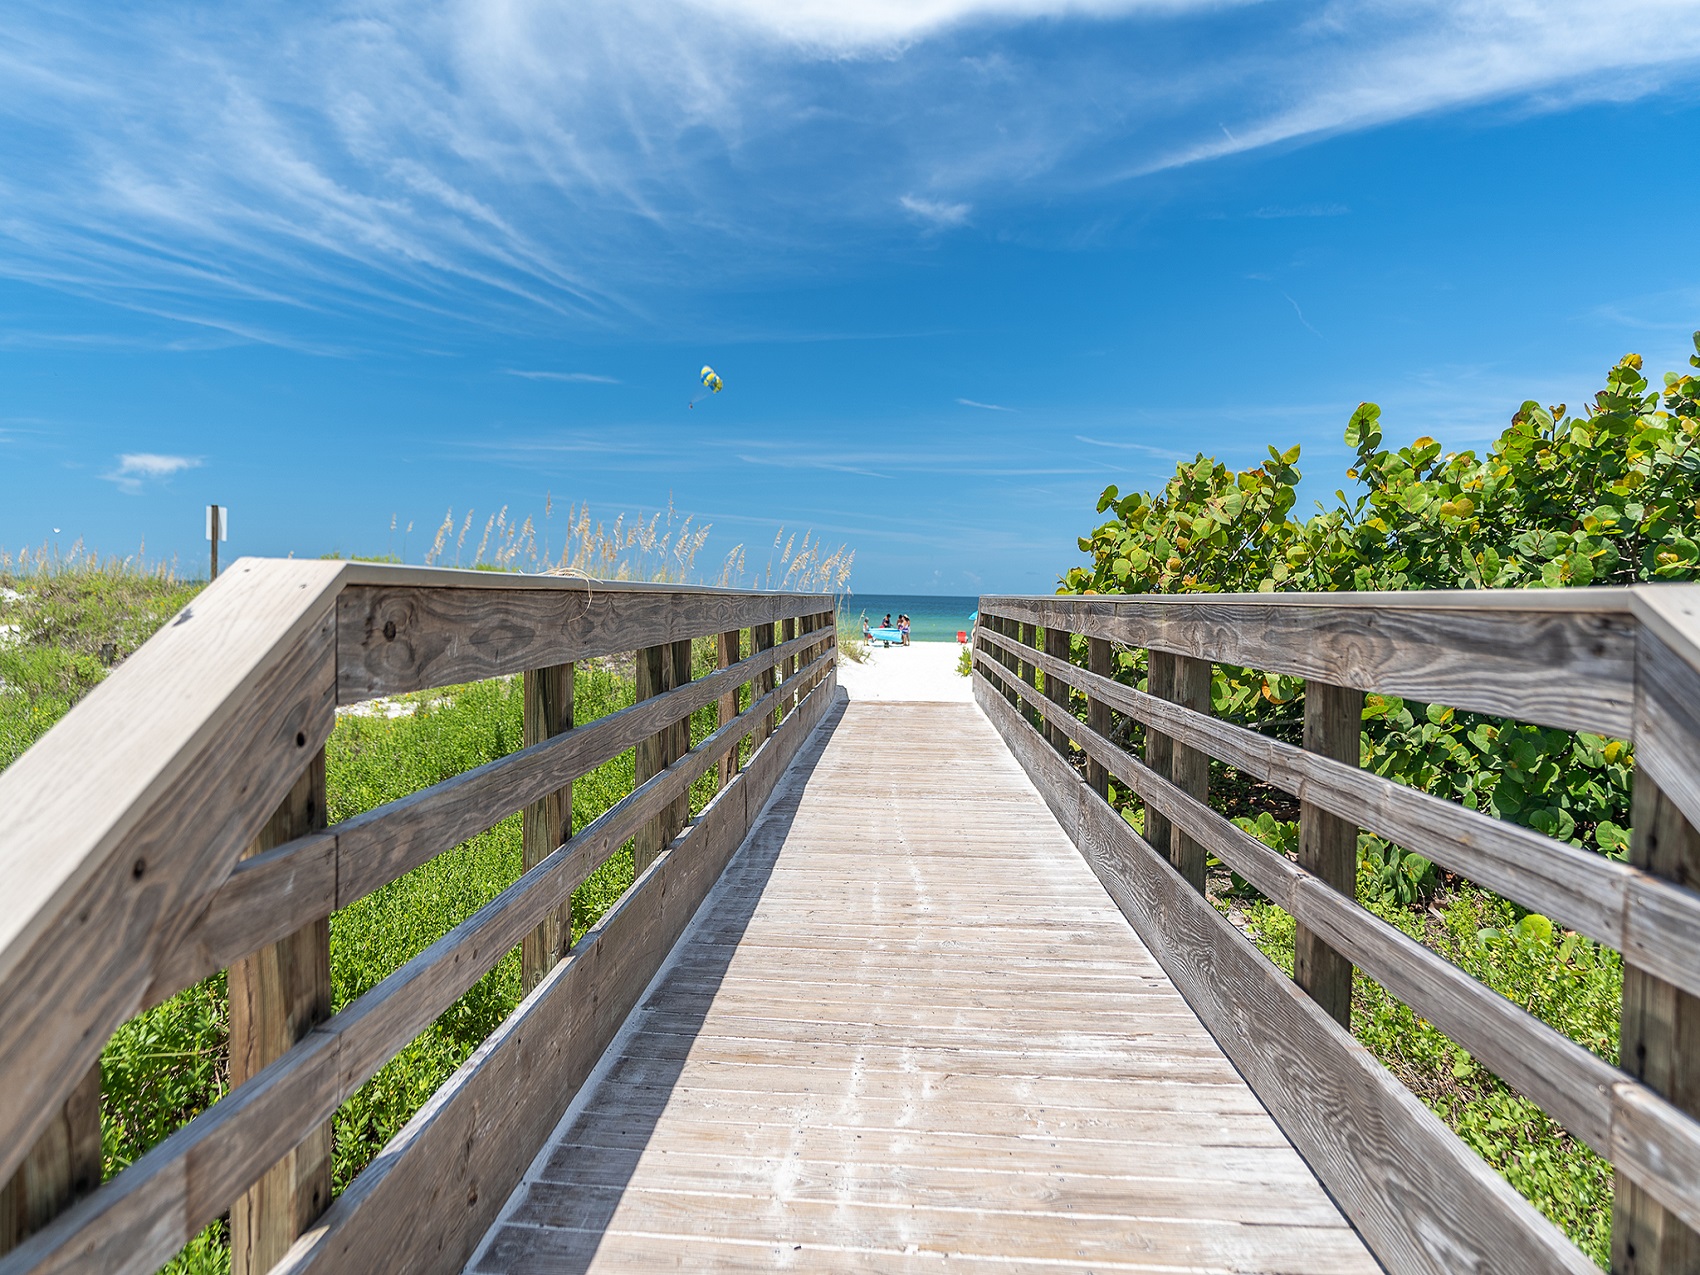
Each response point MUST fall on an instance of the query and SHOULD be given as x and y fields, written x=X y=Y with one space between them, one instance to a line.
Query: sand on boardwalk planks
x=909 y=1025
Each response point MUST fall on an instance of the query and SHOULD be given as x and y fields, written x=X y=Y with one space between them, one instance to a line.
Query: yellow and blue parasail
x=711 y=382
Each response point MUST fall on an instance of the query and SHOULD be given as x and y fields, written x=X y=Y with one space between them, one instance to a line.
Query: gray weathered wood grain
x=1577 y=1088
x=1611 y=902
x=1503 y=652
x=397 y=638
x=792 y=1078
x=272 y=895
x=1328 y=844
x=146 y=1213
x=1423 y=1201
x=124 y=819
x=425 y=1203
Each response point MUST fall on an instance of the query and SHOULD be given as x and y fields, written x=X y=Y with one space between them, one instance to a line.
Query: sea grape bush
x=1611 y=496
x=1608 y=497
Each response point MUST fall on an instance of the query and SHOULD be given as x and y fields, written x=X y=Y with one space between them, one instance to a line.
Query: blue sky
x=961 y=263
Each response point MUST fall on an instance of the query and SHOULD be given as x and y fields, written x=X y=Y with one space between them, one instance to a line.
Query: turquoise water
x=930 y=619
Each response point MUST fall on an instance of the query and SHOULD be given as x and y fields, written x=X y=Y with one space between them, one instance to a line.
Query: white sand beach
x=922 y=672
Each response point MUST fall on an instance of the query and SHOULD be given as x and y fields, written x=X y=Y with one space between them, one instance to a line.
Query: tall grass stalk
x=662 y=548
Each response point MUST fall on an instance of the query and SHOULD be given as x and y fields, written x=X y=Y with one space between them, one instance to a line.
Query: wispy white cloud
x=136 y=468
x=1162 y=453
x=1278 y=212
x=320 y=175
x=836 y=28
x=988 y=407
x=590 y=378
x=939 y=212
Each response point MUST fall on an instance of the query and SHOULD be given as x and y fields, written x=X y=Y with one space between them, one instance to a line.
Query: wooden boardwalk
x=909 y=1029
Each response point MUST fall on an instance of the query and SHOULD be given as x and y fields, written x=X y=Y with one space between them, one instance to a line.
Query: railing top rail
x=125 y=819
x=1620 y=600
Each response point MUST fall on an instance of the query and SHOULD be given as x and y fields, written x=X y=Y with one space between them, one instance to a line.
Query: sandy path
x=920 y=672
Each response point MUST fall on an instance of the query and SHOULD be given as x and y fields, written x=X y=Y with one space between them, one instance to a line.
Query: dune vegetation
x=66 y=619
x=1560 y=500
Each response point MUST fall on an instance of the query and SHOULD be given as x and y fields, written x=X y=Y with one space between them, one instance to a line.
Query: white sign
x=219 y=516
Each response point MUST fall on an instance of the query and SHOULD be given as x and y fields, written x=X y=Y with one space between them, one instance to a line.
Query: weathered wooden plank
x=61 y=1168
x=1623 y=907
x=1123 y=1190
x=1422 y=1200
x=757 y=1087
x=458 y=1158
x=729 y=651
x=1057 y=689
x=1565 y=660
x=278 y=995
x=396 y=638
x=1164 y=1244
x=123 y=820
x=1159 y=747
x=1659 y=1043
x=1190 y=767
x=1328 y=845
x=548 y=822
x=273 y=894
x=1098 y=712
x=762 y=640
x=661 y=669
x=788 y=670
x=1667 y=728
x=1578 y=1089
x=146 y=1213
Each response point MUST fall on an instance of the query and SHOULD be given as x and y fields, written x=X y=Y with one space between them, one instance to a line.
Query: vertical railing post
x=1056 y=689
x=660 y=669
x=731 y=643
x=1328 y=844
x=1098 y=712
x=277 y=996
x=788 y=632
x=547 y=824
x=61 y=1168
x=809 y=624
x=1029 y=636
x=1659 y=1044
x=684 y=669
x=1159 y=748
x=761 y=639
x=1190 y=767
x=1009 y=629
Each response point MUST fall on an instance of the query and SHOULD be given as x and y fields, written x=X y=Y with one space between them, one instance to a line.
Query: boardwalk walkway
x=907 y=1030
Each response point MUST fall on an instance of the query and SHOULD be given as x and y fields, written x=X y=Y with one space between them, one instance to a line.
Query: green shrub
x=1608 y=497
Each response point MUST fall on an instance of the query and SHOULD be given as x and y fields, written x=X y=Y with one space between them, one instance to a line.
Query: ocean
x=930 y=619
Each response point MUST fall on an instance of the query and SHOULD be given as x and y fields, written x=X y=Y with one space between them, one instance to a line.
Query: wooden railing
x=1622 y=663
x=174 y=824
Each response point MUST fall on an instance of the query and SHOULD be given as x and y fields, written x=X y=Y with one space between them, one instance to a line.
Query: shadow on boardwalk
x=559 y=1222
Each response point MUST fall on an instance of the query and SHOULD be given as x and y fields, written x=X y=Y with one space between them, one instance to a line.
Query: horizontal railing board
x=461 y=1156
x=144 y=1215
x=1671 y=612
x=276 y=893
x=1568 y=667
x=1580 y=1090
x=1667 y=739
x=393 y=638
x=1423 y=1201
x=122 y=820
x=1610 y=902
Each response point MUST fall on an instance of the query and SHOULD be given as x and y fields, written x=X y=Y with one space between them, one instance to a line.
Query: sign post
x=218 y=528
